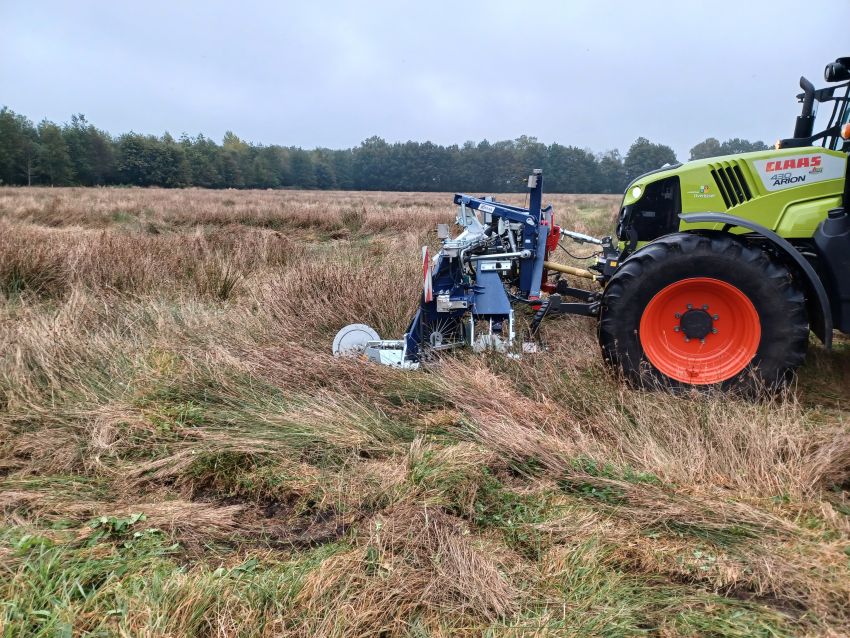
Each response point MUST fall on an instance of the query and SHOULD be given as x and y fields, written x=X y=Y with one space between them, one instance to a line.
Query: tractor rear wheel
x=693 y=310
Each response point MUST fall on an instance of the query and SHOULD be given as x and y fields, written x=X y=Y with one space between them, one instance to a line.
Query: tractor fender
x=822 y=323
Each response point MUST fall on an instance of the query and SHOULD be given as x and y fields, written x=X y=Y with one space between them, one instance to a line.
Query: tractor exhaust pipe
x=806 y=120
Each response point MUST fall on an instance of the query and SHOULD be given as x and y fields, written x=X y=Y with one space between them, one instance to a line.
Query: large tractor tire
x=711 y=311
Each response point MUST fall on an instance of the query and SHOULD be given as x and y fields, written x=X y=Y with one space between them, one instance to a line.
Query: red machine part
x=551 y=245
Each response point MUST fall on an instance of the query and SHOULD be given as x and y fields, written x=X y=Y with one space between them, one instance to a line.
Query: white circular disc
x=353 y=339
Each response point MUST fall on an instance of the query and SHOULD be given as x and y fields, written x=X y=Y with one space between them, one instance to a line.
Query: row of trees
x=78 y=153
x=712 y=147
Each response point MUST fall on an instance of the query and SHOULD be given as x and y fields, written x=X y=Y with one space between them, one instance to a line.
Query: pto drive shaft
x=569 y=270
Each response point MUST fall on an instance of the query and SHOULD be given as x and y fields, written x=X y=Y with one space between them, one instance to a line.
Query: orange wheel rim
x=700 y=331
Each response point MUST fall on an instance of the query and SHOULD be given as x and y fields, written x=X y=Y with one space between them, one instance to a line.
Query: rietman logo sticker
x=704 y=192
x=787 y=172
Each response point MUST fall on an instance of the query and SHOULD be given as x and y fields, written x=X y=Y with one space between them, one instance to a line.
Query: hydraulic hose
x=538 y=318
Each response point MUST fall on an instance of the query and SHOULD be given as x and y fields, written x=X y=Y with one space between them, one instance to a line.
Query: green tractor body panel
x=788 y=191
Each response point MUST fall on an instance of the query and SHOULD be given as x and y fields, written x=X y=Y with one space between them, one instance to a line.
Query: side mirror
x=837 y=71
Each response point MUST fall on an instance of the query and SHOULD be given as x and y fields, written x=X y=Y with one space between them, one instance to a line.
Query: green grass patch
x=128 y=579
x=578 y=480
x=244 y=475
x=599 y=599
x=514 y=515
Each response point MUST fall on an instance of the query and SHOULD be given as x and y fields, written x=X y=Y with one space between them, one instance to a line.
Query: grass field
x=180 y=455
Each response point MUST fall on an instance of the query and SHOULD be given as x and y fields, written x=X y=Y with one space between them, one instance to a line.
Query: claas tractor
x=718 y=270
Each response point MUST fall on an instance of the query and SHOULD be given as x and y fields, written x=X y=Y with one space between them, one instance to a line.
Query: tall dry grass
x=164 y=357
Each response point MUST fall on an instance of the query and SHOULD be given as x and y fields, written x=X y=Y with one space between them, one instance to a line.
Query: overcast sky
x=595 y=74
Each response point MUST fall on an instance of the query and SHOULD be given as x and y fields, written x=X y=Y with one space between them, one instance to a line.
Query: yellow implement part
x=569 y=270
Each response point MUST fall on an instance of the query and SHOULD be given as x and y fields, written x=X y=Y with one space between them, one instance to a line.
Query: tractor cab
x=845 y=119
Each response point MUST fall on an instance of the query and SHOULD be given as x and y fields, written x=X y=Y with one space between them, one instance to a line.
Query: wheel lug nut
x=677 y=315
x=702 y=341
x=705 y=306
x=676 y=329
x=714 y=331
x=690 y=306
x=687 y=339
x=716 y=317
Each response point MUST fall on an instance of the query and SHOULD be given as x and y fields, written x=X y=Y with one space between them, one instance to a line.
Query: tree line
x=79 y=153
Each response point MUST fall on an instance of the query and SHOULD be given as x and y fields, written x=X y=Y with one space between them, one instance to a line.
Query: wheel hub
x=679 y=335
x=696 y=324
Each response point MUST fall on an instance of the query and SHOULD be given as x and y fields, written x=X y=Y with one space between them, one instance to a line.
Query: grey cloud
x=594 y=74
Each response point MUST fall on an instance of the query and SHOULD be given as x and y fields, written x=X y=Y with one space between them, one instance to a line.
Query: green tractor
x=724 y=265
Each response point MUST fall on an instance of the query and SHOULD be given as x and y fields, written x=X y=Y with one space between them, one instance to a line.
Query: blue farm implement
x=470 y=288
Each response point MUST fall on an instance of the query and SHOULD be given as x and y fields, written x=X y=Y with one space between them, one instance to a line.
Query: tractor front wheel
x=692 y=310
